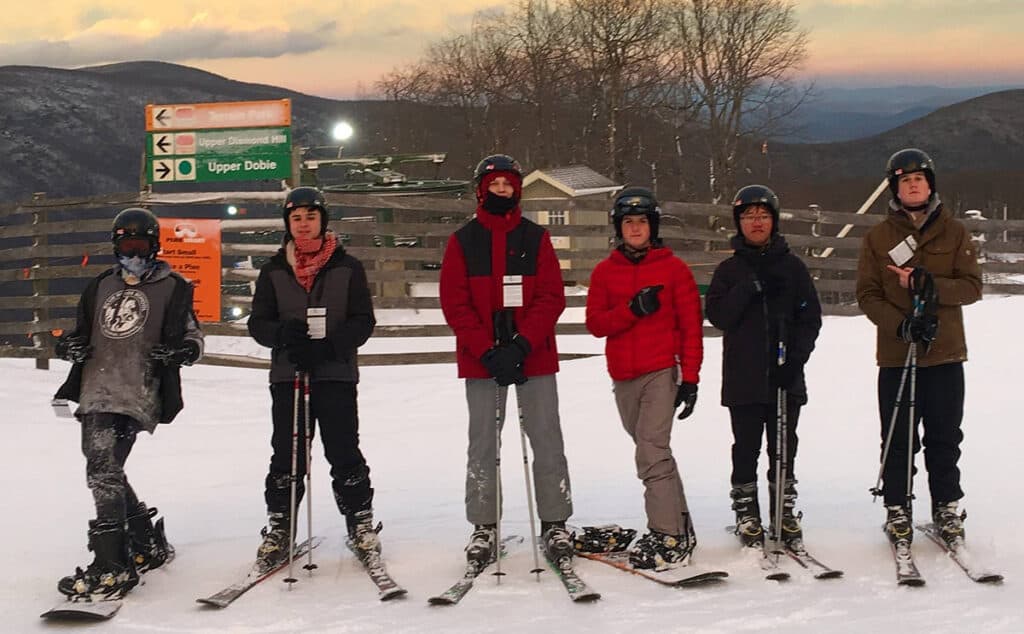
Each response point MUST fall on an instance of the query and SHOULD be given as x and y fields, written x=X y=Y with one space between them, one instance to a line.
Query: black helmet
x=496 y=163
x=908 y=161
x=636 y=201
x=306 y=197
x=136 y=222
x=756 y=195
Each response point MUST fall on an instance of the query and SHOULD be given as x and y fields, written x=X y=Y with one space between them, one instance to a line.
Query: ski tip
x=913 y=582
x=83 y=611
x=393 y=594
x=213 y=603
x=440 y=601
x=989 y=577
x=829 y=574
x=588 y=597
x=777 y=576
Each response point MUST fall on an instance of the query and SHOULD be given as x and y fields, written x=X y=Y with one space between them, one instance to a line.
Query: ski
x=798 y=553
x=387 y=587
x=669 y=577
x=460 y=588
x=259 y=572
x=83 y=610
x=962 y=557
x=767 y=562
x=907 y=573
x=578 y=590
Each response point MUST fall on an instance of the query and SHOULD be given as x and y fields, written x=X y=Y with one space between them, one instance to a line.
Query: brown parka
x=944 y=248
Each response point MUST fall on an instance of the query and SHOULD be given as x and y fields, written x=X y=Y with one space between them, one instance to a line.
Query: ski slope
x=205 y=473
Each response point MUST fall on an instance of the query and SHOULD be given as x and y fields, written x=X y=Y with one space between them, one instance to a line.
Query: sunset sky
x=339 y=48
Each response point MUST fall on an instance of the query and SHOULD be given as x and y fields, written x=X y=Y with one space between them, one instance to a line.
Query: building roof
x=574 y=180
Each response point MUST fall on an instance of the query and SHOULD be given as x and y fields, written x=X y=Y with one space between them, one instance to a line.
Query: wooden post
x=40 y=287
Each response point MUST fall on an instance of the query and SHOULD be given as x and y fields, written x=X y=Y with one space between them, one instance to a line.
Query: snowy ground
x=205 y=473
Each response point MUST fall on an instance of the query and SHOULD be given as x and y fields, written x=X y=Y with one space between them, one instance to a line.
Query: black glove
x=785 y=375
x=646 y=301
x=308 y=354
x=292 y=332
x=920 y=279
x=187 y=354
x=686 y=393
x=73 y=349
x=505 y=363
x=772 y=283
x=919 y=329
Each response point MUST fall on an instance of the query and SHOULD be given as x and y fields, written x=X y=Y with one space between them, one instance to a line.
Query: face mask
x=135 y=265
x=498 y=205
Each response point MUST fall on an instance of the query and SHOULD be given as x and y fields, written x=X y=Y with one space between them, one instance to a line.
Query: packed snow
x=205 y=473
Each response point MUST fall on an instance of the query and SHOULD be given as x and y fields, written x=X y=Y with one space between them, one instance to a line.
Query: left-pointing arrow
x=163 y=143
x=162 y=170
x=160 y=116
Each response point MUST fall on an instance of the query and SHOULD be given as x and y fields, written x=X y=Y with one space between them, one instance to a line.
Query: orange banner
x=216 y=115
x=192 y=248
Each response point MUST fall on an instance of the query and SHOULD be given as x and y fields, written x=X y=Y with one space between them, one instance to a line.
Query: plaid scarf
x=307 y=257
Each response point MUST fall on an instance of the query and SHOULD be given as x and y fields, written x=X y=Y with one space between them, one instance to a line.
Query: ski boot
x=557 y=540
x=748 y=515
x=482 y=548
x=899 y=526
x=111 y=575
x=949 y=523
x=610 y=538
x=659 y=551
x=362 y=532
x=274 y=548
x=792 y=534
x=148 y=542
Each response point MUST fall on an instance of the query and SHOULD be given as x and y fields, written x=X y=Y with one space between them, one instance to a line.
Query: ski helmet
x=636 y=201
x=136 y=232
x=495 y=164
x=306 y=197
x=908 y=161
x=756 y=195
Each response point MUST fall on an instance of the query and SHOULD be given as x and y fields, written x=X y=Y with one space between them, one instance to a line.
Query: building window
x=557 y=217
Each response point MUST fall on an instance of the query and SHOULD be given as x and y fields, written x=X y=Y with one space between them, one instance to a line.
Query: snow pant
x=107 y=439
x=538 y=398
x=646 y=406
x=939 y=407
x=748 y=424
x=333 y=406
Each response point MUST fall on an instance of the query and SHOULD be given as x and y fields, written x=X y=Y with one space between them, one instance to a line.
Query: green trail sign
x=206 y=169
x=201 y=143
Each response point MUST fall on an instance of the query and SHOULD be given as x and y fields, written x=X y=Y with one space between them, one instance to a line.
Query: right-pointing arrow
x=162 y=169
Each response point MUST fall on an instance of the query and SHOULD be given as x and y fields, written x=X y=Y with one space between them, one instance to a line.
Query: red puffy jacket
x=639 y=345
x=476 y=259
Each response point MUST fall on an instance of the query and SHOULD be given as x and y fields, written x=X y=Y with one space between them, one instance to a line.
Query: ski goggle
x=134 y=247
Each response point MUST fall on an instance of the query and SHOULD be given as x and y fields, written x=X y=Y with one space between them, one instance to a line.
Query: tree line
x=673 y=92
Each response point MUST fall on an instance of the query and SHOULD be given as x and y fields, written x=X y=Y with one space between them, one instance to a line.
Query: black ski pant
x=748 y=424
x=107 y=439
x=939 y=407
x=333 y=406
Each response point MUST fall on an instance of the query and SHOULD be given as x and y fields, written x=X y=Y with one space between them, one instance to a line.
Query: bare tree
x=743 y=54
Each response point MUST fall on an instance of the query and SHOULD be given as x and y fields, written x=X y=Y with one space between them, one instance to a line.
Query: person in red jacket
x=502 y=293
x=645 y=301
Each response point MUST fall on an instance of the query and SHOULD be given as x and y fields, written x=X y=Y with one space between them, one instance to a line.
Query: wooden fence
x=51 y=241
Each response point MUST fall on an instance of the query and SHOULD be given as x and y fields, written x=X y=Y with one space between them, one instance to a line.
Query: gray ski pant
x=539 y=399
x=646 y=407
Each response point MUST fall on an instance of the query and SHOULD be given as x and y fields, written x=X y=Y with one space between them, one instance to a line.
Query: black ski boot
x=949 y=523
x=899 y=526
x=748 y=515
x=557 y=540
x=791 y=530
x=111 y=575
x=362 y=532
x=146 y=541
x=659 y=551
x=483 y=548
x=274 y=548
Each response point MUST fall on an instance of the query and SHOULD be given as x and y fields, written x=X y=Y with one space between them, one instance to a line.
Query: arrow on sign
x=160 y=116
x=163 y=143
x=162 y=169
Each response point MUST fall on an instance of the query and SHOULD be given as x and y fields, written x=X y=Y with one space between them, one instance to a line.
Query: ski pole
x=911 y=424
x=780 y=444
x=877 y=489
x=310 y=566
x=497 y=482
x=290 y=579
x=529 y=485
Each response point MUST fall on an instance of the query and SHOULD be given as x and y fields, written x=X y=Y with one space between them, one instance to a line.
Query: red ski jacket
x=672 y=336
x=476 y=260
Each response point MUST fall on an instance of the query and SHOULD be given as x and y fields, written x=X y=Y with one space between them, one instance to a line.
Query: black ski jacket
x=783 y=303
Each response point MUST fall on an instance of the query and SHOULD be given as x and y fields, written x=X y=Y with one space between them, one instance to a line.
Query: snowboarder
x=312 y=275
x=503 y=312
x=763 y=300
x=918 y=246
x=135 y=328
x=645 y=301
